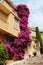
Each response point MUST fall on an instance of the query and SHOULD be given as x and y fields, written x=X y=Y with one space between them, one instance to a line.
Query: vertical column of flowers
x=24 y=34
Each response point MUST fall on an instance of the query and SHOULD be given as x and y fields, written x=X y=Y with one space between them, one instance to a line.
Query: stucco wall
x=7 y=20
x=7 y=24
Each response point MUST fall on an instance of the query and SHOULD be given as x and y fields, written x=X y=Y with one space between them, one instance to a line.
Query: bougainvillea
x=16 y=49
x=24 y=34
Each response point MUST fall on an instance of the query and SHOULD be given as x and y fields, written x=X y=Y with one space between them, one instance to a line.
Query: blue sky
x=36 y=12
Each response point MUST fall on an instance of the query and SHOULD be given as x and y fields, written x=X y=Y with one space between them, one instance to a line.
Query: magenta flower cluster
x=24 y=34
x=16 y=48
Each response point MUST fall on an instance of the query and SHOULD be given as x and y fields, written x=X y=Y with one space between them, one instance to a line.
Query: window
x=16 y=24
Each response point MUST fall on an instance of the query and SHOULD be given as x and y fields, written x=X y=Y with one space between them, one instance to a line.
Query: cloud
x=36 y=11
x=37 y=20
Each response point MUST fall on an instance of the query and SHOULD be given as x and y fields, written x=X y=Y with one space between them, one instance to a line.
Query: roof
x=33 y=29
x=11 y=4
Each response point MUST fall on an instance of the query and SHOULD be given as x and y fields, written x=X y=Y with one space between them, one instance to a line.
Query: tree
x=38 y=37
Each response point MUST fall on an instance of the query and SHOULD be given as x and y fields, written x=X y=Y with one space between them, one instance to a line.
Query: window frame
x=15 y=23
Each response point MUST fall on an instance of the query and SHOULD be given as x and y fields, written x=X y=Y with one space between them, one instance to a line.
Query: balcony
x=8 y=29
x=7 y=19
x=7 y=24
x=4 y=6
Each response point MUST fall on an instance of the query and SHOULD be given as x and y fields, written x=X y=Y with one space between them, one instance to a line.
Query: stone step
x=32 y=61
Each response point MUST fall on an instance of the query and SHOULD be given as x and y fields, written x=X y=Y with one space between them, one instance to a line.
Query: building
x=34 y=45
x=33 y=33
x=9 y=20
x=41 y=33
